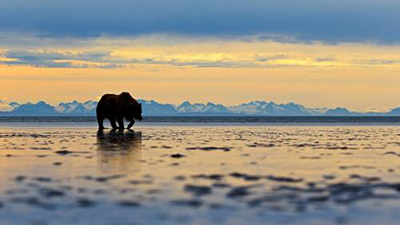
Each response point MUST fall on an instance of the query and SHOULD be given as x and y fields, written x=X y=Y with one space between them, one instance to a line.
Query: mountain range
x=153 y=108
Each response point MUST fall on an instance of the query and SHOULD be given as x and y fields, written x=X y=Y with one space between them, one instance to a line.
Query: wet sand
x=200 y=175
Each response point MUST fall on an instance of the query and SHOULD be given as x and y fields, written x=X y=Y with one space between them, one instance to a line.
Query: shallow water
x=200 y=175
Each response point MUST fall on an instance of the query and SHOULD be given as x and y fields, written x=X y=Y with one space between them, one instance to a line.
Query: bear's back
x=113 y=101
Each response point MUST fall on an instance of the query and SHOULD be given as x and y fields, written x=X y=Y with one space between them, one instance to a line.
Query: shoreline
x=187 y=124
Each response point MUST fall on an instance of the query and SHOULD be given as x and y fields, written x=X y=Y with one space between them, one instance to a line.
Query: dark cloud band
x=307 y=20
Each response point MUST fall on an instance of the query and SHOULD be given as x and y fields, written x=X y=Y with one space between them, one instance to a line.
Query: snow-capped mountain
x=209 y=108
x=77 y=108
x=153 y=108
x=67 y=107
x=14 y=104
x=338 y=112
x=38 y=109
x=394 y=112
x=318 y=111
x=90 y=105
x=262 y=108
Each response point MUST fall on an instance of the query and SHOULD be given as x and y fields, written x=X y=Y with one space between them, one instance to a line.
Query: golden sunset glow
x=357 y=76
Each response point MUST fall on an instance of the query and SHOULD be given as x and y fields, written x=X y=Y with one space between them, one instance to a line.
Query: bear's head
x=136 y=110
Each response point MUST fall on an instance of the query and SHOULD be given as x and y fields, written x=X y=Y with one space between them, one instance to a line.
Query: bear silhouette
x=117 y=107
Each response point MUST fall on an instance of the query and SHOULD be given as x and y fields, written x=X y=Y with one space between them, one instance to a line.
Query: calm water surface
x=55 y=174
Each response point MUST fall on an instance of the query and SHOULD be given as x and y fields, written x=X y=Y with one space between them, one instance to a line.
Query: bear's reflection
x=119 y=151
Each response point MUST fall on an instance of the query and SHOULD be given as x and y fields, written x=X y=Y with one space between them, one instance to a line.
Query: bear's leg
x=132 y=122
x=100 y=120
x=113 y=124
x=121 y=122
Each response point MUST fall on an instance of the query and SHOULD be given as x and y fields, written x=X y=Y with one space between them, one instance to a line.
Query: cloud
x=325 y=59
x=57 y=59
x=267 y=58
x=90 y=59
x=167 y=59
x=283 y=21
x=43 y=55
x=378 y=62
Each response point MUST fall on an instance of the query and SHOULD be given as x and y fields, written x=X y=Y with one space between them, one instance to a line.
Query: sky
x=319 y=53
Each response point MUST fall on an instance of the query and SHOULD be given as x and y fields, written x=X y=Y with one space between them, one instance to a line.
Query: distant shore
x=89 y=121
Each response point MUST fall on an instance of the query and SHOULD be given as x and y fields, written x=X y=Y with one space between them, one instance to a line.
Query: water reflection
x=119 y=151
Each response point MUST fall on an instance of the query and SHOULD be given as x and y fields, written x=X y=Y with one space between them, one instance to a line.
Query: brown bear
x=117 y=107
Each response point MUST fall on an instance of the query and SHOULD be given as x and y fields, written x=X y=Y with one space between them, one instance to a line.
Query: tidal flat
x=200 y=175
